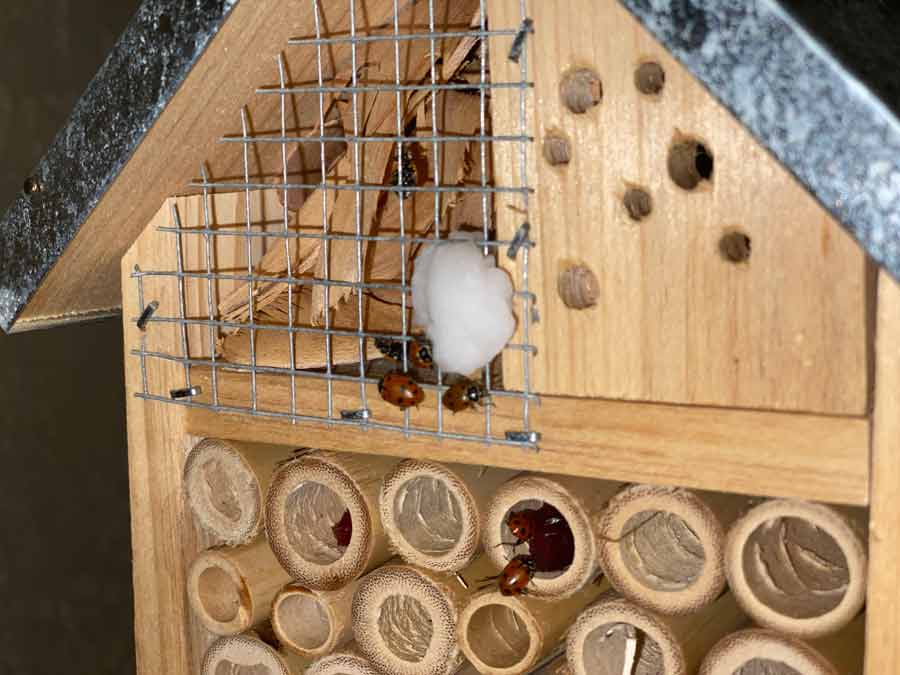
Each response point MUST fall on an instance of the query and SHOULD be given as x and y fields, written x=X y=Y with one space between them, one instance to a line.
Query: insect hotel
x=489 y=336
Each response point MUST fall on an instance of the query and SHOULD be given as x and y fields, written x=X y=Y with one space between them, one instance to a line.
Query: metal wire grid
x=519 y=246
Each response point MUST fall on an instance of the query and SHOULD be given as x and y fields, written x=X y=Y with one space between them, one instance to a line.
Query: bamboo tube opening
x=319 y=517
x=306 y=611
x=432 y=512
x=428 y=515
x=797 y=567
x=222 y=491
x=312 y=512
x=574 y=500
x=606 y=649
x=219 y=594
x=497 y=636
x=245 y=655
x=664 y=547
x=598 y=642
x=405 y=622
x=760 y=651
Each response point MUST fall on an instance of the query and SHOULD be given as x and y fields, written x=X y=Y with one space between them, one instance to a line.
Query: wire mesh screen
x=290 y=288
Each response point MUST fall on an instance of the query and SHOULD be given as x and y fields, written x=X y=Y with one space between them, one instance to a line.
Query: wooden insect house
x=493 y=336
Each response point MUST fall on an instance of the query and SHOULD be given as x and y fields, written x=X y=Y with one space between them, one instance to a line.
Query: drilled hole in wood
x=580 y=90
x=428 y=515
x=662 y=552
x=311 y=513
x=735 y=247
x=304 y=620
x=405 y=627
x=795 y=568
x=765 y=667
x=638 y=203
x=556 y=149
x=650 y=78
x=219 y=595
x=605 y=650
x=689 y=164
x=497 y=636
x=578 y=286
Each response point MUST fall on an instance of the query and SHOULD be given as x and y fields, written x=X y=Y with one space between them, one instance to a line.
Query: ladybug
x=343 y=529
x=548 y=535
x=401 y=390
x=463 y=395
x=516 y=576
x=418 y=352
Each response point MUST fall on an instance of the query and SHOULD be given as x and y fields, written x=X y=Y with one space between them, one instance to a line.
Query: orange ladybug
x=463 y=395
x=401 y=390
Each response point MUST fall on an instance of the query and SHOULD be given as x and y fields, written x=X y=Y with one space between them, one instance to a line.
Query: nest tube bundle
x=248 y=653
x=322 y=517
x=547 y=503
x=231 y=590
x=432 y=512
x=763 y=651
x=225 y=483
x=615 y=636
x=313 y=623
x=798 y=567
x=664 y=548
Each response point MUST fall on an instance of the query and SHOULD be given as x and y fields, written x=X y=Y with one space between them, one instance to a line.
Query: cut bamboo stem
x=614 y=631
x=664 y=547
x=322 y=517
x=313 y=623
x=578 y=500
x=247 y=653
x=798 y=567
x=347 y=661
x=767 y=652
x=405 y=617
x=432 y=512
x=508 y=635
x=224 y=486
x=232 y=589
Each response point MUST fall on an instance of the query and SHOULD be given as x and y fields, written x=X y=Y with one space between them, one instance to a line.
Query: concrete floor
x=65 y=551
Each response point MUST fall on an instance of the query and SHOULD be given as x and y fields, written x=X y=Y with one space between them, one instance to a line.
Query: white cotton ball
x=464 y=303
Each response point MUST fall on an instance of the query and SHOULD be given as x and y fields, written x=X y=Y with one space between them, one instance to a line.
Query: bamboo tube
x=798 y=567
x=762 y=651
x=404 y=618
x=577 y=499
x=309 y=498
x=507 y=635
x=247 y=653
x=313 y=623
x=232 y=589
x=432 y=512
x=347 y=661
x=224 y=485
x=663 y=548
x=615 y=636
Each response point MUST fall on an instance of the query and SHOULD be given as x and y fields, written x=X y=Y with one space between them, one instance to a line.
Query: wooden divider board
x=675 y=321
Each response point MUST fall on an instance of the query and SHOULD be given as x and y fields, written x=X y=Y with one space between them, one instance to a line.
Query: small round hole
x=690 y=163
x=556 y=149
x=650 y=78
x=662 y=552
x=428 y=515
x=580 y=90
x=31 y=186
x=305 y=620
x=735 y=247
x=405 y=627
x=220 y=597
x=552 y=547
x=164 y=24
x=638 y=203
x=317 y=523
x=497 y=636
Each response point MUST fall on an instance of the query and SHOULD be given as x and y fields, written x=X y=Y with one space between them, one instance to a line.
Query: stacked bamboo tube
x=645 y=590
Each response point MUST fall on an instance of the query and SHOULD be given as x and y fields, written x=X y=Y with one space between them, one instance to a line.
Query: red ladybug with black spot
x=401 y=390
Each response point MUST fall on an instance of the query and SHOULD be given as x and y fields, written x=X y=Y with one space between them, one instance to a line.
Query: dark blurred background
x=65 y=552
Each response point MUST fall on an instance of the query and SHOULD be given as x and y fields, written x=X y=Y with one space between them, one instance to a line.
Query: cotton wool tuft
x=464 y=303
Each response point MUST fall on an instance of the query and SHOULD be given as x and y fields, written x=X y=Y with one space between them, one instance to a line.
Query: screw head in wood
x=578 y=287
